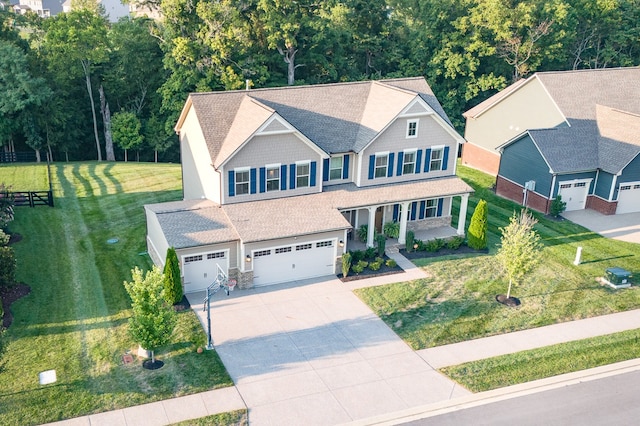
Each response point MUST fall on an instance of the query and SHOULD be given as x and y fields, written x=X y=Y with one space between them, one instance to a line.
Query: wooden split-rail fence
x=32 y=198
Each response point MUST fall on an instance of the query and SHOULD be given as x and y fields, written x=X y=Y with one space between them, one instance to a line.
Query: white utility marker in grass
x=47 y=377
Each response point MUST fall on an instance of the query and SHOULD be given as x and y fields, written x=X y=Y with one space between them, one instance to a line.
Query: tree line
x=83 y=88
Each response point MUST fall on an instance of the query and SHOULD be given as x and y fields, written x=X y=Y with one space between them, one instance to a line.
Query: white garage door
x=574 y=193
x=294 y=262
x=200 y=270
x=628 y=198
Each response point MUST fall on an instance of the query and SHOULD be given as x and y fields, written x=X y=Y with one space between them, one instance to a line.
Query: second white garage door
x=628 y=198
x=574 y=193
x=200 y=270
x=293 y=262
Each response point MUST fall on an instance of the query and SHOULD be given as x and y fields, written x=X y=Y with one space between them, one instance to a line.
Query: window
x=565 y=185
x=302 y=175
x=242 y=182
x=580 y=185
x=335 y=168
x=324 y=244
x=218 y=255
x=409 y=162
x=283 y=250
x=625 y=187
x=636 y=186
x=304 y=247
x=412 y=128
x=382 y=161
x=261 y=253
x=436 y=159
x=431 y=208
x=190 y=259
x=273 y=178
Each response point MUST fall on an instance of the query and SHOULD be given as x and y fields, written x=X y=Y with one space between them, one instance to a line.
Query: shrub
x=422 y=246
x=440 y=243
x=370 y=253
x=455 y=243
x=477 y=232
x=172 y=281
x=7 y=266
x=357 y=256
x=363 y=231
x=4 y=238
x=346 y=264
x=379 y=259
x=432 y=246
x=392 y=229
x=557 y=206
x=410 y=241
x=7 y=201
x=381 y=240
x=391 y=263
x=359 y=267
x=374 y=266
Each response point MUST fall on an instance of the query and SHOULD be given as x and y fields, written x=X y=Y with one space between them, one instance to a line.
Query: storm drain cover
x=112 y=240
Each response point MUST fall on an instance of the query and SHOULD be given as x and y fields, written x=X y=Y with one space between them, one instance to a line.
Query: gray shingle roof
x=340 y=117
x=192 y=223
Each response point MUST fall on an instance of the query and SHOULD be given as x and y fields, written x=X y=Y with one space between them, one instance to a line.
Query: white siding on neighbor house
x=261 y=150
x=529 y=107
x=431 y=133
x=199 y=178
x=157 y=244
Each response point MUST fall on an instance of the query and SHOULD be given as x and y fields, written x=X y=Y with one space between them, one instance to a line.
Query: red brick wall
x=480 y=159
x=512 y=191
x=600 y=205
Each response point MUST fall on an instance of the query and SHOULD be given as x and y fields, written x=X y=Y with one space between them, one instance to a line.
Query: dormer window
x=273 y=177
x=412 y=128
x=335 y=168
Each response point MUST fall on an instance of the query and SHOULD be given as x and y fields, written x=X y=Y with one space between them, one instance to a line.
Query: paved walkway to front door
x=312 y=353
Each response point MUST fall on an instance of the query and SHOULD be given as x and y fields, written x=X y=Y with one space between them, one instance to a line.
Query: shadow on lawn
x=607 y=258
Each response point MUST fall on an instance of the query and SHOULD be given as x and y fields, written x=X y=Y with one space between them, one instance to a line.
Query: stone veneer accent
x=430 y=223
x=601 y=205
x=244 y=279
x=481 y=159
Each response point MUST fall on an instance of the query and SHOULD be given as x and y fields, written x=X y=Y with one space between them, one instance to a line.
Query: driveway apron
x=310 y=352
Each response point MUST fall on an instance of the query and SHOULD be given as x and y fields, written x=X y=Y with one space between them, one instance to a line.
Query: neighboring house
x=275 y=180
x=114 y=9
x=572 y=133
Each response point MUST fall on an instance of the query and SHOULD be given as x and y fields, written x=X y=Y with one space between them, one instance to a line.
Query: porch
x=442 y=232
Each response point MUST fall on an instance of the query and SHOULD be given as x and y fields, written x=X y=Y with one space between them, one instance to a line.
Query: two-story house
x=275 y=180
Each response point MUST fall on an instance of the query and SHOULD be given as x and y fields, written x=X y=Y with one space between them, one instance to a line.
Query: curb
x=501 y=394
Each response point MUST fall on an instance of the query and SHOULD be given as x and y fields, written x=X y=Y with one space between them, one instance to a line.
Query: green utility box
x=618 y=277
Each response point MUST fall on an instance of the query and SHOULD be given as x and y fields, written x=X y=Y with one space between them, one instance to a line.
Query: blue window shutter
x=292 y=176
x=423 y=204
x=372 y=165
x=414 y=207
x=283 y=177
x=427 y=159
x=418 y=160
x=440 y=202
x=390 y=165
x=325 y=170
x=263 y=179
x=396 y=210
x=312 y=178
x=400 y=160
x=232 y=183
x=445 y=158
x=345 y=167
x=252 y=182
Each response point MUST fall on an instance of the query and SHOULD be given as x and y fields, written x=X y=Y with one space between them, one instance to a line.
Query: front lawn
x=457 y=300
x=75 y=319
x=526 y=366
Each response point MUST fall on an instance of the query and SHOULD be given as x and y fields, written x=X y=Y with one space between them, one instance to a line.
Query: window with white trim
x=409 y=162
x=218 y=255
x=283 y=250
x=324 y=244
x=273 y=178
x=412 y=128
x=382 y=162
x=625 y=187
x=261 y=253
x=304 y=247
x=302 y=175
x=431 y=208
x=436 y=159
x=335 y=168
x=190 y=259
x=580 y=184
x=242 y=181
x=565 y=185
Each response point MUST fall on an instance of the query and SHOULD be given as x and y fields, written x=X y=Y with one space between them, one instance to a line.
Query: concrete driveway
x=623 y=227
x=312 y=353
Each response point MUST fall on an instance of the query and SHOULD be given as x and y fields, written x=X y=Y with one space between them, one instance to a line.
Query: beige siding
x=231 y=246
x=157 y=244
x=199 y=179
x=529 y=107
x=282 y=149
x=352 y=173
x=393 y=139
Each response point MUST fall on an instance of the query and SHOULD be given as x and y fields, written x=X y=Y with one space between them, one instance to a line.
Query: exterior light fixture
x=341 y=243
x=248 y=258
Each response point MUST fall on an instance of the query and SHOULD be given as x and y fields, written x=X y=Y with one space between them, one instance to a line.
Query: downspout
x=613 y=187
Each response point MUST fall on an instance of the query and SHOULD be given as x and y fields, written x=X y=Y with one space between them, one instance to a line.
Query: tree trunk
x=153 y=357
x=106 y=118
x=509 y=290
x=155 y=155
x=37 y=155
x=87 y=76
x=125 y=155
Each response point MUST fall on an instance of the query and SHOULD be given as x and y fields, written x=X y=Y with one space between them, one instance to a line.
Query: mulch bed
x=182 y=305
x=511 y=302
x=149 y=365
x=10 y=295
x=442 y=252
x=368 y=273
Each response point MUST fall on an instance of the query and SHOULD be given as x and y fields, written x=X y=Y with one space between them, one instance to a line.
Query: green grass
x=521 y=367
x=456 y=302
x=26 y=177
x=235 y=418
x=75 y=319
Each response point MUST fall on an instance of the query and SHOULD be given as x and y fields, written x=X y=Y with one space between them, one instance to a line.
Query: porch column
x=462 y=217
x=371 y=227
x=404 y=215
